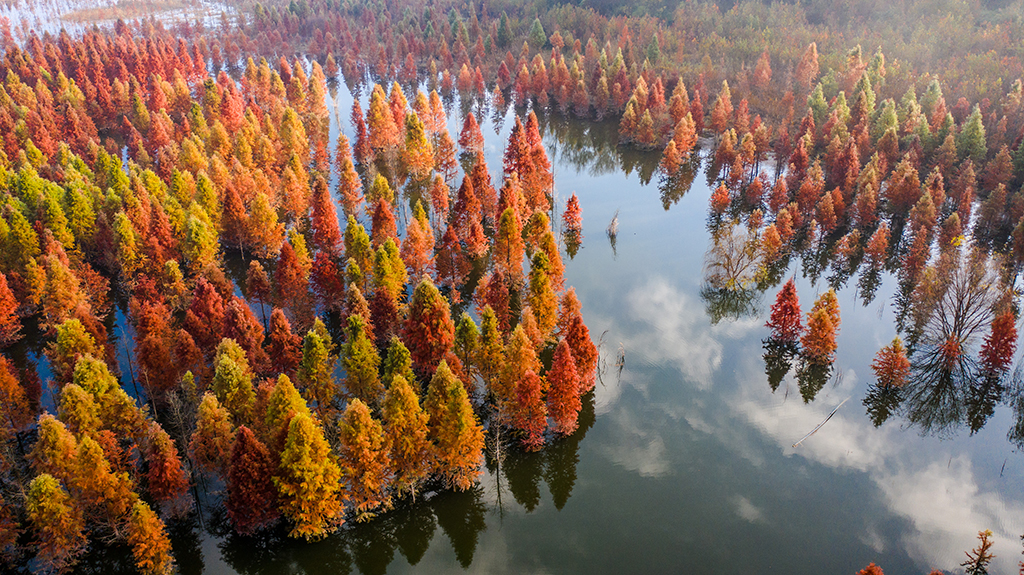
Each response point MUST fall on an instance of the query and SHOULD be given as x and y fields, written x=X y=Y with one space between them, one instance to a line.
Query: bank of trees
x=328 y=381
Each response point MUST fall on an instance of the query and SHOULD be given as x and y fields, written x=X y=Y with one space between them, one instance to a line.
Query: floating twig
x=817 y=427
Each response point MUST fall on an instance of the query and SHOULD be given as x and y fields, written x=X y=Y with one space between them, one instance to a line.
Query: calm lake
x=684 y=460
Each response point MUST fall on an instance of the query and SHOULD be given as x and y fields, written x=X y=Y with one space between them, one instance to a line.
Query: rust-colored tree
x=891 y=365
x=252 y=500
x=563 y=399
x=785 y=315
x=429 y=330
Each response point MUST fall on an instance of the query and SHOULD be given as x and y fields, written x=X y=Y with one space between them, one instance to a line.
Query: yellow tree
x=308 y=481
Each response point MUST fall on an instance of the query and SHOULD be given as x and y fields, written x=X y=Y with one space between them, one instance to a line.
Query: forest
x=312 y=368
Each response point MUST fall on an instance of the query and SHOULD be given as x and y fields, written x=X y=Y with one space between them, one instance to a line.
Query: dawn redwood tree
x=252 y=499
x=324 y=221
x=241 y=325
x=361 y=362
x=785 y=315
x=583 y=351
x=891 y=365
x=106 y=495
x=151 y=548
x=508 y=250
x=527 y=412
x=349 y=185
x=10 y=325
x=405 y=430
x=210 y=445
x=166 y=478
x=284 y=346
x=55 y=449
x=1000 y=344
x=57 y=523
x=364 y=458
x=819 y=342
x=308 y=481
x=16 y=412
x=232 y=381
x=563 y=401
x=429 y=331
x=520 y=357
x=572 y=217
x=314 y=374
x=454 y=430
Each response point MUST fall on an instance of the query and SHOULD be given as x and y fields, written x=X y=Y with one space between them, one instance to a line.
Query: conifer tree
x=563 y=401
x=429 y=331
x=405 y=429
x=55 y=450
x=10 y=325
x=785 y=315
x=283 y=403
x=527 y=411
x=1000 y=344
x=891 y=366
x=542 y=297
x=252 y=499
x=151 y=548
x=57 y=523
x=284 y=345
x=308 y=481
x=210 y=445
x=361 y=362
x=232 y=381
x=583 y=351
x=166 y=477
x=456 y=434
x=315 y=374
x=364 y=458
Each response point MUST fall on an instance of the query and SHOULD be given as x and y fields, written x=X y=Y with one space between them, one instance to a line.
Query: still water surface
x=684 y=459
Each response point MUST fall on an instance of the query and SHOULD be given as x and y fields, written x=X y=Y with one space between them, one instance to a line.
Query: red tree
x=785 y=316
x=429 y=330
x=252 y=499
x=564 y=390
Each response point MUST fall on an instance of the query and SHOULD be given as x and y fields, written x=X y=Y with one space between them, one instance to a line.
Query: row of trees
x=386 y=393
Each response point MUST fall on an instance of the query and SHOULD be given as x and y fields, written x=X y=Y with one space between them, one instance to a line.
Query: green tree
x=971 y=140
x=315 y=374
x=537 y=36
x=362 y=363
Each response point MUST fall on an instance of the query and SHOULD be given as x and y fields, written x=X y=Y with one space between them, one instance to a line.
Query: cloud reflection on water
x=921 y=479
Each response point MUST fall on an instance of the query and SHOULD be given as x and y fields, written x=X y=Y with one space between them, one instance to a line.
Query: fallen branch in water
x=817 y=427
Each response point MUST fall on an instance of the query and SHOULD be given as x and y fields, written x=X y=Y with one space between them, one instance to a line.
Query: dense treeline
x=223 y=169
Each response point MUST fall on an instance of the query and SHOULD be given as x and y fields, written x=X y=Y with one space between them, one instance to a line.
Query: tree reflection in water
x=951 y=308
x=409 y=527
x=778 y=358
x=461 y=516
x=732 y=265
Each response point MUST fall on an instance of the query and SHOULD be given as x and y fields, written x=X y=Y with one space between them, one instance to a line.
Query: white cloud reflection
x=920 y=479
